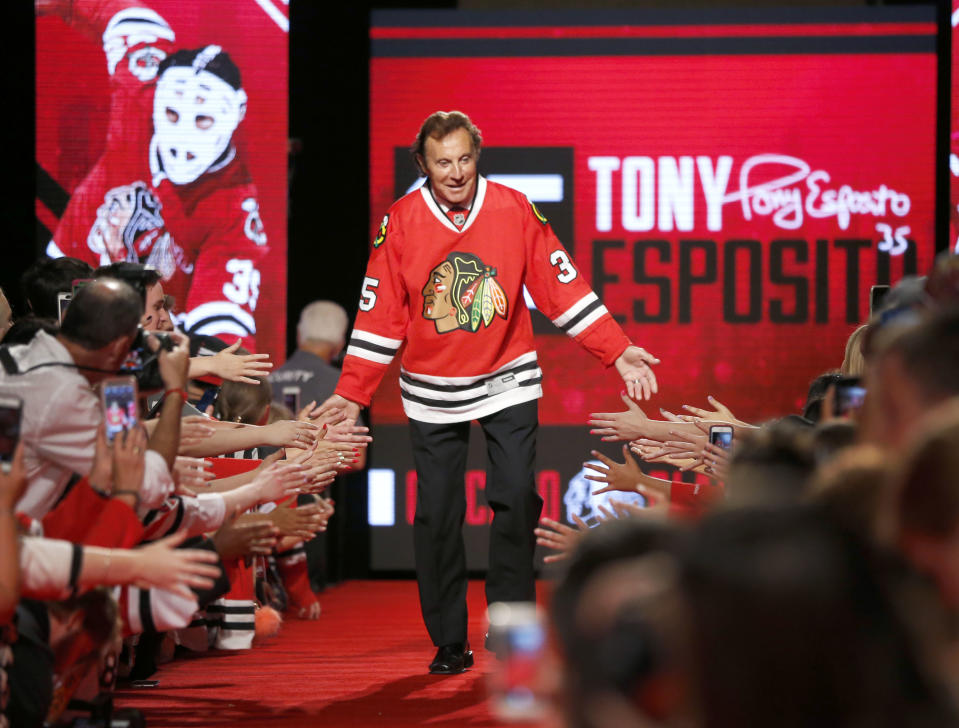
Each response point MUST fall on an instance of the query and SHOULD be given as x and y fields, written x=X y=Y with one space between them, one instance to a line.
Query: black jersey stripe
x=528 y=366
x=581 y=315
x=376 y=348
x=452 y=404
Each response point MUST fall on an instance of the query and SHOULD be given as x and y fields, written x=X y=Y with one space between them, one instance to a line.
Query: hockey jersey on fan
x=206 y=237
x=451 y=287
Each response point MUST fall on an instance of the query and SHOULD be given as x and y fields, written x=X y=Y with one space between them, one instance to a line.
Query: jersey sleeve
x=225 y=284
x=382 y=320
x=560 y=292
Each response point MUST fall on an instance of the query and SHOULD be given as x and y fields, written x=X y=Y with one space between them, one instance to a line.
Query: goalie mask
x=197 y=105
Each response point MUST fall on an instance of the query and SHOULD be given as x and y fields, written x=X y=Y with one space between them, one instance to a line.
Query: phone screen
x=721 y=437
x=10 y=411
x=63 y=300
x=517 y=635
x=291 y=399
x=849 y=396
x=119 y=405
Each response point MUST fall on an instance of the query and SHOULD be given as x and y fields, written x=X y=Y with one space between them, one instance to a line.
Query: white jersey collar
x=434 y=206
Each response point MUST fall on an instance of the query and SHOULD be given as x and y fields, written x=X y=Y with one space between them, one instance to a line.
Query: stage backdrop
x=105 y=192
x=731 y=184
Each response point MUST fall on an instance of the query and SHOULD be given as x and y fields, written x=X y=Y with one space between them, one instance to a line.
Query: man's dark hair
x=437 y=125
x=929 y=353
x=101 y=312
x=47 y=277
x=139 y=276
x=220 y=64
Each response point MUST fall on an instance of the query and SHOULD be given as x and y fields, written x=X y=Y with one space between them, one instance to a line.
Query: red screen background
x=864 y=119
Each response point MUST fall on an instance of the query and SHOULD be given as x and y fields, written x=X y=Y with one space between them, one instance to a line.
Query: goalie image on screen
x=171 y=189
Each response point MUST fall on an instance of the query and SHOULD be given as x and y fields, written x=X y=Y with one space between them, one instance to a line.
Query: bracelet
x=181 y=392
x=135 y=494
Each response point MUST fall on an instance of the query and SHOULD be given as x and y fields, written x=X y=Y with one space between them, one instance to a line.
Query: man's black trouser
x=439 y=451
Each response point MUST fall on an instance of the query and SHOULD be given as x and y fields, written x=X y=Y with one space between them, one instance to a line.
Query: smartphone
x=119 y=399
x=79 y=283
x=11 y=409
x=291 y=399
x=63 y=300
x=850 y=395
x=876 y=294
x=721 y=436
x=517 y=635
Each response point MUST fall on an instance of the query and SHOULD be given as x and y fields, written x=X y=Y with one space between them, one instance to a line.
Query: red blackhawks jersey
x=205 y=238
x=450 y=284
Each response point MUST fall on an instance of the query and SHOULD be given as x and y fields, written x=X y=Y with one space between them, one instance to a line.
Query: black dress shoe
x=452 y=659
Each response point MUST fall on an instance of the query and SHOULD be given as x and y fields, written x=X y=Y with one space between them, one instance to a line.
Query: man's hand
x=175 y=365
x=634 y=366
x=349 y=409
x=227 y=364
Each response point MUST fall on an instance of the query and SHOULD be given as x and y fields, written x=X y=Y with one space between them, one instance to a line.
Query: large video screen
x=732 y=185
x=162 y=139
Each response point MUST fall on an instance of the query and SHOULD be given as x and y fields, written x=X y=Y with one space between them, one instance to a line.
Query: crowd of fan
x=116 y=554
x=819 y=587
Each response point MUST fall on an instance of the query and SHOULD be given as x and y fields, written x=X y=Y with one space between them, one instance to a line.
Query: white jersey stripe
x=376 y=339
x=430 y=379
x=582 y=303
x=465 y=394
x=373 y=356
x=587 y=321
x=509 y=398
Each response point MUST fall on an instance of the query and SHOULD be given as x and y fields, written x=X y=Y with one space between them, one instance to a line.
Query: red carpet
x=363 y=663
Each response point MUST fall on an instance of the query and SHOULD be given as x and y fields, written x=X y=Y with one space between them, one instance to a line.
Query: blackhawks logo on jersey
x=462 y=293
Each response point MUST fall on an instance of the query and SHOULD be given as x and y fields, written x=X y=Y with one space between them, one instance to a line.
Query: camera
x=141 y=361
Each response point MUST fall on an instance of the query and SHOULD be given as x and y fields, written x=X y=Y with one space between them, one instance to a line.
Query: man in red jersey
x=171 y=189
x=446 y=276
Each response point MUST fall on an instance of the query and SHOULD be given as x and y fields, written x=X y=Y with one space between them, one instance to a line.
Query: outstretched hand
x=559 y=537
x=349 y=410
x=234 y=367
x=614 y=426
x=623 y=477
x=635 y=367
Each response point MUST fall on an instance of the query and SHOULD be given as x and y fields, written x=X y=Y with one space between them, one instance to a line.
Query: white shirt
x=61 y=414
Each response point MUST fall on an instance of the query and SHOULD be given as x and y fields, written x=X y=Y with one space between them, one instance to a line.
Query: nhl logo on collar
x=459 y=218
